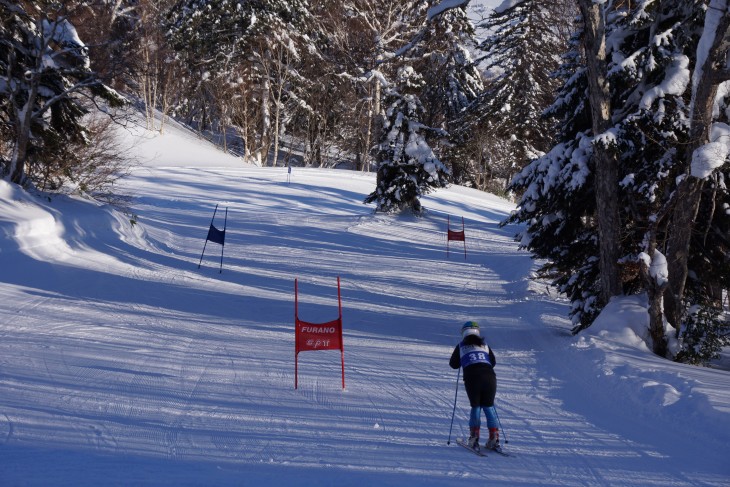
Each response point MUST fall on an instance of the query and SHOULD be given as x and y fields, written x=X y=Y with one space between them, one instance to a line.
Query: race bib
x=474 y=354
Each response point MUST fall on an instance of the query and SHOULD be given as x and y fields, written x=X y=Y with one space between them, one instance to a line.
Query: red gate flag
x=317 y=336
x=456 y=235
x=323 y=336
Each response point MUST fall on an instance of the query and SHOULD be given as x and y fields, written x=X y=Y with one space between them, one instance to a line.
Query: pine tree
x=655 y=136
x=452 y=83
x=558 y=204
x=407 y=166
x=700 y=189
x=523 y=50
x=652 y=48
x=657 y=43
x=451 y=79
x=213 y=35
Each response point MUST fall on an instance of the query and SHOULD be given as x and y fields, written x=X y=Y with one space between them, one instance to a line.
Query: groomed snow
x=122 y=363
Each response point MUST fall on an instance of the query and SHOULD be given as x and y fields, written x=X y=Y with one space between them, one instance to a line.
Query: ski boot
x=493 y=441
x=473 y=440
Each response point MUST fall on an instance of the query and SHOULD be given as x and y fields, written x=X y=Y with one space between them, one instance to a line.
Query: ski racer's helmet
x=469 y=328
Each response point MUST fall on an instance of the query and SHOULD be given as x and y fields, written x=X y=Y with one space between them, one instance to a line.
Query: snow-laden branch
x=78 y=87
x=444 y=6
x=432 y=13
x=506 y=5
x=710 y=156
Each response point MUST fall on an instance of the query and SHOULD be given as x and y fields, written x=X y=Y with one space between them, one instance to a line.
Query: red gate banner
x=456 y=235
x=317 y=336
x=322 y=336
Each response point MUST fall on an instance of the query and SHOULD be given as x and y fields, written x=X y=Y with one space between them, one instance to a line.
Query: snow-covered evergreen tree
x=451 y=79
x=407 y=165
x=650 y=132
x=522 y=52
x=698 y=240
x=215 y=34
x=44 y=71
x=652 y=47
x=452 y=82
x=559 y=203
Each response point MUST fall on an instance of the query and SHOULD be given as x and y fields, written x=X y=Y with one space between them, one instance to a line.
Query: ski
x=464 y=444
x=500 y=451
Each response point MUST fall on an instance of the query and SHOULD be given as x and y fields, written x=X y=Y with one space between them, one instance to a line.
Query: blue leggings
x=475 y=418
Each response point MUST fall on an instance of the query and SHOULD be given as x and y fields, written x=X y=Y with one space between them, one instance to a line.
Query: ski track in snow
x=122 y=350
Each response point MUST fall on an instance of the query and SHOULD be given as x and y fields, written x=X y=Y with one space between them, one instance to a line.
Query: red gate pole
x=342 y=342
x=463 y=232
x=317 y=336
x=448 y=230
x=296 y=341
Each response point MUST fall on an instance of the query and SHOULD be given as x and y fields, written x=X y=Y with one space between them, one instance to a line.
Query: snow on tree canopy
x=408 y=167
x=675 y=82
x=506 y=5
x=712 y=155
x=64 y=34
x=444 y=6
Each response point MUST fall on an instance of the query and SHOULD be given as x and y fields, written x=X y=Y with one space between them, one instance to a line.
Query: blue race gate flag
x=215 y=236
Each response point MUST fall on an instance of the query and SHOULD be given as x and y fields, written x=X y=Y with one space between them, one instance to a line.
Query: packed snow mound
x=624 y=322
x=59 y=227
x=635 y=379
x=24 y=224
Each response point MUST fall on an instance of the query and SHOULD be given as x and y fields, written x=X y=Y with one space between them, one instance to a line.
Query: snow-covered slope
x=122 y=363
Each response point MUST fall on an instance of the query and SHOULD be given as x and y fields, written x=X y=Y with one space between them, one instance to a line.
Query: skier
x=478 y=361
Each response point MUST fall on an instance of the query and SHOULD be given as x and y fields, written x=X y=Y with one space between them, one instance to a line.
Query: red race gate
x=456 y=235
x=317 y=336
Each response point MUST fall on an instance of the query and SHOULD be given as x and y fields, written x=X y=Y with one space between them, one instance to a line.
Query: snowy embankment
x=122 y=363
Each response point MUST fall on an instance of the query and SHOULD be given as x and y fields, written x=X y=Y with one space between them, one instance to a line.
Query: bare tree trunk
x=365 y=161
x=606 y=177
x=656 y=317
x=23 y=121
x=22 y=139
x=165 y=98
x=224 y=135
x=277 y=109
x=377 y=118
x=147 y=89
x=244 y=127
x=689 y=192
x=655 y=289
x=264 y=139
x=154 y=84
x=685 y=211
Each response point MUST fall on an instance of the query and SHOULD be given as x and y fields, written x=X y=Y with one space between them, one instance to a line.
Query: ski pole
x=456 y=393
x=500 y=425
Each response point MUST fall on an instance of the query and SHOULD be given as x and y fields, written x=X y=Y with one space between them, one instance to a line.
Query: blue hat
x=469 y=328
